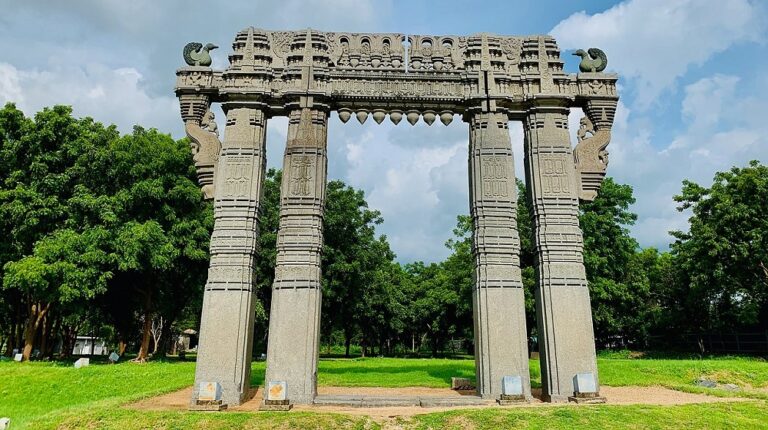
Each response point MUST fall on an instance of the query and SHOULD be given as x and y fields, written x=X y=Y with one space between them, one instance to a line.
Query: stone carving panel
x=237 y=179
x=355 y=51
x=302 y=175
x=554 y=177
x=495 y=175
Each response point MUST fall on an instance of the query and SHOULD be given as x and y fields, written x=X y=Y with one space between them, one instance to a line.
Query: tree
x=619 y=287
x=161 y=225
x=90 y=216
x=355 y=264
x=44 y=254
x=722 y=259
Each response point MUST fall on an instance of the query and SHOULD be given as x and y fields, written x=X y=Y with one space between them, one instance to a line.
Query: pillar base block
x=207 y=406
x=587 y=398
x=276 y=405
x=554 y=398
x=509 y=400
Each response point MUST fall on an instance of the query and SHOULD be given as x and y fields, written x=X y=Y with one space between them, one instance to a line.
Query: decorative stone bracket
x=201 y=129
x=590 y=153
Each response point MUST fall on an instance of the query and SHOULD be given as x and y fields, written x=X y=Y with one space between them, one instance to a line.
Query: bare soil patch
x=179 y=400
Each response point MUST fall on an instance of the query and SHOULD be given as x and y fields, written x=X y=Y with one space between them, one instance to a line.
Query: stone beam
x=226 y=330
x=294 y=318
x=563 y=310
x=498 y=301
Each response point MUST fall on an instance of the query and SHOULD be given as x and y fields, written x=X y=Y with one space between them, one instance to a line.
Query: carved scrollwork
x=511 y=47
x=590 y=157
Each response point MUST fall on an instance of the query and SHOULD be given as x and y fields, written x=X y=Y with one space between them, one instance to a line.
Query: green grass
x=55 y=395
x=32 y=389
x=749 y=415
x=126 y=419
x=393 y=372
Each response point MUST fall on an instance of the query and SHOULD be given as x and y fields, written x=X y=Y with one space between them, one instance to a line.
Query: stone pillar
x=563 y=312
x=498 y=301
x=294 y=319
x=226 y=329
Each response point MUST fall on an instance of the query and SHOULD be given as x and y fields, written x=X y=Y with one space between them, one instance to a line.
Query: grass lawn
x=55 y=395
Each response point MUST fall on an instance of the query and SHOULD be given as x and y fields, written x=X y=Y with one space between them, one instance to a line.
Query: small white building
x=86 y=345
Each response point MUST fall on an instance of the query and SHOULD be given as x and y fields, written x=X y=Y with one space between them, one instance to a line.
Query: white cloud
x=720 y=133
x=704 y=100
x=416 y=176
x=654 y=42
x=108 y=95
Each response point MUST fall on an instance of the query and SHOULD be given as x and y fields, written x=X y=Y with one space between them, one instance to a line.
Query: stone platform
x=368 y=401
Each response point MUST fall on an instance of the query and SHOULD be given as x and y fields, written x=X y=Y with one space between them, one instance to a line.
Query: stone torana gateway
x=487 y=79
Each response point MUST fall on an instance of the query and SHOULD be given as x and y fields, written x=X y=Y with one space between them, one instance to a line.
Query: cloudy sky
x=694 y=88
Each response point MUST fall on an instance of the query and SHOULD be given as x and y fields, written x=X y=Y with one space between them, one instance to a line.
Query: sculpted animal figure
x=195 y=54
x=594 y=60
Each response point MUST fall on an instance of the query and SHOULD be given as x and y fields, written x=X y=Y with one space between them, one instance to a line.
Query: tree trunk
x=68 y=341
x=53 y=330
x=37 y=313
x=45 y=335
x=146 y=331
x=165 y=340
x=347 y=343
x=157 y=333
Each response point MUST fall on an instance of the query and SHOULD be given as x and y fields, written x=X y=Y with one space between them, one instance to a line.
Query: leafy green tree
x=722 y=258
x=42 y=160
x=355 y=264
x=161 y=226
x=619 y=290
x=87 y=212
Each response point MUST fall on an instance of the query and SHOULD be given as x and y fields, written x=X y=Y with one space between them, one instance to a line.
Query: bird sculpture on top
x=195 y=54
x=594 y=60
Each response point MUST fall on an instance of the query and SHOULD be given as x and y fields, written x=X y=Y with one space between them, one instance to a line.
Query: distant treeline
x=107 y=236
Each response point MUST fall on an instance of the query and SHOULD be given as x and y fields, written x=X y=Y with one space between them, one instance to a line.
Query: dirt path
x=179 y=400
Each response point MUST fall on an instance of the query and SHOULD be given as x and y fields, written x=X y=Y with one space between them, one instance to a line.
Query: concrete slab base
x=276 y=408
x=362 y=401
x=208 y=406
x=507 y=400
x=587 y=400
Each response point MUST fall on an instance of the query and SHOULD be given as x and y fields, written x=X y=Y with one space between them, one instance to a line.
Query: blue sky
x=694 y=88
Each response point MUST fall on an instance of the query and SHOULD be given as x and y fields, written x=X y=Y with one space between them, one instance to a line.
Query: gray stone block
x=462 y=384
x=441 y=402
x=277 y=391
x=209 y=391
x=584 y=383
x=512 y=386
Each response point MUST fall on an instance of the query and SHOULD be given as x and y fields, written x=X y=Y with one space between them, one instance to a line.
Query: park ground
x=54 y=395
